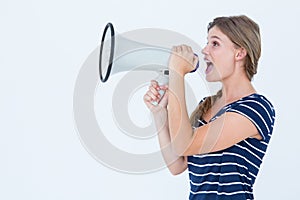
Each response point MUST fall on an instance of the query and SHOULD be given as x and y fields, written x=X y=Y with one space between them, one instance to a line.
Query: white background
x=42 y=47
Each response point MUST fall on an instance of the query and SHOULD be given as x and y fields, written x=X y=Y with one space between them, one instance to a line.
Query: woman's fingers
x=182 y=59
x=148 y=101
x=190 y=49
x=184 y=48
x=163 y=87
x=153 y=95
x=148 y=98
x=154 y=84
x=153 y=92
x=183 y=51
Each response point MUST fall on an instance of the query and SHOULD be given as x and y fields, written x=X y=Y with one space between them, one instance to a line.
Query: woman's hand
x=182 y=60
x=152 y=95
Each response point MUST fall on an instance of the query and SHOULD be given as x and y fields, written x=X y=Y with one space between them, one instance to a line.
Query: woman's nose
x=205 y=50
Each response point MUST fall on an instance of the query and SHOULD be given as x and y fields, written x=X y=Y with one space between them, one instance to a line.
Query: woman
x=224 y=141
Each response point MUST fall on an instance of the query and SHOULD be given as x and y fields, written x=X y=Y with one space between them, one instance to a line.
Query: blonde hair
x=243 y=32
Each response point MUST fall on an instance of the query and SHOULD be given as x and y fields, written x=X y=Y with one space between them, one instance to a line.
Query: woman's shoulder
x=256 y=97
x=256 y=101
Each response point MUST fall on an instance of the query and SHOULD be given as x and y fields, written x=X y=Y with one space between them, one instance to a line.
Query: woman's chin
x=212 y=79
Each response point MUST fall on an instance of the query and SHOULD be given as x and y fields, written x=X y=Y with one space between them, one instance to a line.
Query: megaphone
x=118 y=54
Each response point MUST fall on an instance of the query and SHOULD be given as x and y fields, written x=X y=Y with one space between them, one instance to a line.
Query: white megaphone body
x=119 y=53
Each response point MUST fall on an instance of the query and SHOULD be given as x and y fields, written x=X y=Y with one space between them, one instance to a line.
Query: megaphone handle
x=162 y=79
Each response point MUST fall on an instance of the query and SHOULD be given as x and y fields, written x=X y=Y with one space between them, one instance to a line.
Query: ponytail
x=203 y=107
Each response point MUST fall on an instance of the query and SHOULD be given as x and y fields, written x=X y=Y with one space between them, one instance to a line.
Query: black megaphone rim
x=112 y=50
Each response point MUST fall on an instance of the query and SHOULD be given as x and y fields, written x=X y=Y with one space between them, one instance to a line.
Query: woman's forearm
x=181 y=131
x=175 y=163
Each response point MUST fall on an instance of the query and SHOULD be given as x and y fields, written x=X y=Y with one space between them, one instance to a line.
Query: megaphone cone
x=118 y=54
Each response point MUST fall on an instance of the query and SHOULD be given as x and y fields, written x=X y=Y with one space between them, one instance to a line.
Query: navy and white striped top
x=231 y=173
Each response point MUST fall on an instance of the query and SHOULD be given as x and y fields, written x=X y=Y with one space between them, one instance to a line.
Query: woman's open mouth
x=209 y=67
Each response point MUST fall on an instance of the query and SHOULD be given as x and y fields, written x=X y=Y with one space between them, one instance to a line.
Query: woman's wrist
x=160 y=117
x=176 y=71
x=159 y=110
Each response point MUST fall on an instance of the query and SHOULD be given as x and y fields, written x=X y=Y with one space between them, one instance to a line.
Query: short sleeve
x=259 y=111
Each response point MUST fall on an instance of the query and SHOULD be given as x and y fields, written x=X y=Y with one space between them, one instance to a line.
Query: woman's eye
x=215 y=44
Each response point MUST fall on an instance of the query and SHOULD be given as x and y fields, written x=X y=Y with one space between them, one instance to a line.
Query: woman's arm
x=181 y=62
x=176 y=164
x=181 y=131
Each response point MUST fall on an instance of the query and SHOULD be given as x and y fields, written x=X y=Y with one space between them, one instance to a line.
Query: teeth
x=207 y=61
x=209 y=64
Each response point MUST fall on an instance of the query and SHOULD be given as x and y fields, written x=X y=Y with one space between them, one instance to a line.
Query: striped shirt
x=229 y=174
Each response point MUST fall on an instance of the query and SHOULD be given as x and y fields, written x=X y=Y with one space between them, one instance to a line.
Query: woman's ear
x=241 y=53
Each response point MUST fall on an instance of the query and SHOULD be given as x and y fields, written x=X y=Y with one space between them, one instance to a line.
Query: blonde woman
x=224 y=141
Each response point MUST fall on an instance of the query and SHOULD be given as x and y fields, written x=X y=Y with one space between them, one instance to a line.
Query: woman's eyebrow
x=215 y=37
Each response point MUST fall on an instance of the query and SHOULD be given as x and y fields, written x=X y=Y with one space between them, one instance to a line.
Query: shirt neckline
x=228 y=105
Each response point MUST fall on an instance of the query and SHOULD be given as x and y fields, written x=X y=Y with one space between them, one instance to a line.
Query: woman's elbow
x=178 y=166
x=176 y=172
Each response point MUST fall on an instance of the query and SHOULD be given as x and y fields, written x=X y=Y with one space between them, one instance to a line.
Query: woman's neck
x=235 y=88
